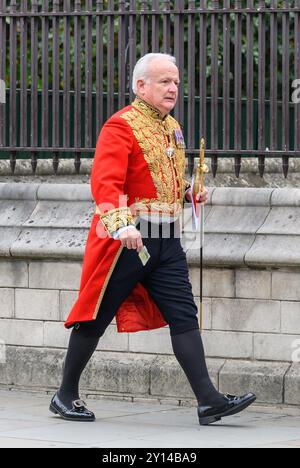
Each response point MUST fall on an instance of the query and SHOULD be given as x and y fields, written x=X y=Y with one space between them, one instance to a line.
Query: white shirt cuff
x=117 y=233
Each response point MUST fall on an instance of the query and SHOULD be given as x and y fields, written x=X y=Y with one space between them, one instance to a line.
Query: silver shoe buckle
x=79 y=404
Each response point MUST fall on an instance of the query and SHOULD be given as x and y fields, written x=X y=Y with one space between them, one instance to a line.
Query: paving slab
x=26 y=422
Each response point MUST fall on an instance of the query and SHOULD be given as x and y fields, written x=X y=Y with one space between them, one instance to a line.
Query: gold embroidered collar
x=148 y=110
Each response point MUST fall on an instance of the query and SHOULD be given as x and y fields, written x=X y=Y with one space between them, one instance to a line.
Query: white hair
x=140 y=71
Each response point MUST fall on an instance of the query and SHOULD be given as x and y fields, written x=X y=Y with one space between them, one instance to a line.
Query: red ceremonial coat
x=131 y=174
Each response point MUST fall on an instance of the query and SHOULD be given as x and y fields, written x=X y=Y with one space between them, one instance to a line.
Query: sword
x=198 y=185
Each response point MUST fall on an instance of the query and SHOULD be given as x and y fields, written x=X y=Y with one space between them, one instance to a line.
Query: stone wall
x=251 y=289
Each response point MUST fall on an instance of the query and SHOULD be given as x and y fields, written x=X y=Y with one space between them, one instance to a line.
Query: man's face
x=160 y=90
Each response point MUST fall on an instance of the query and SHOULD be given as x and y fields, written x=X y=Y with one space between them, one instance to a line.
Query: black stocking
x=188 y=349
x=83 y=342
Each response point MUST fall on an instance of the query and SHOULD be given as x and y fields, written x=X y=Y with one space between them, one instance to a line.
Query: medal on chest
x=170 y=152
x=179 y=139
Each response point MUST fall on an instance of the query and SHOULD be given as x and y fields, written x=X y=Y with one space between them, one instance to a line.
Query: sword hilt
x=201 y=169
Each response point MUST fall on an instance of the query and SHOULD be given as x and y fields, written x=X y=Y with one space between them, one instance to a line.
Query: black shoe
x=233 y=405
x=77 y=411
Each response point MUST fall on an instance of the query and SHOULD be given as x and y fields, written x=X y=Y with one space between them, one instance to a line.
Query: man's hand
x=202 y=197
x=132 y=239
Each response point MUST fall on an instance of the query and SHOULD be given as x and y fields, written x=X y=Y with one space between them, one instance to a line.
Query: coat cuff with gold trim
x=113 y=220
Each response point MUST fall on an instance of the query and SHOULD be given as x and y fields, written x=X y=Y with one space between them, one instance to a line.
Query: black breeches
x=165 y=277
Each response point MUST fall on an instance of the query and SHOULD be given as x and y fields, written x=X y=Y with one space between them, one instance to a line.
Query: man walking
x=142 y=279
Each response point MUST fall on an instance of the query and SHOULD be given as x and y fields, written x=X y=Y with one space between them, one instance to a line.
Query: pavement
x=25 y=422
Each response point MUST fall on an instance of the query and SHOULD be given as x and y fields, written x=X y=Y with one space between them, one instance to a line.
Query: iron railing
x=67 y=66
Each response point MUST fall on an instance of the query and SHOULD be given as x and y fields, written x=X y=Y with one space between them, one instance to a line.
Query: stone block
x=32 y=367
x=253 y=284
x=218 y=282
x=37 y=304
x=118 y=372
x=242 y=196
x=168 y=378
x=56 y=335
x=153 y=341
x=235 y=345
x=66 y=192
x=236 y=219
x=61 y=214
x=114 y=341
x=290 y=317
x=274 y=251
x=7 y=301
x=292 y=384
x=286 y=286
x=282 y=220
x=270 y=347
x=63 y=244
x=66 y=301
x=288 y=196
x=224 y=250
x=21 y=332
x=55 y=275
x=7 y=237
x=13 y=213
x=13 y=274
x=265 y=379
x=13 y=191
x=246 y=315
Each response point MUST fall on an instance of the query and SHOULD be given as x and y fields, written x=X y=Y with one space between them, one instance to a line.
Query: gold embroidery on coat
x=151 y=205
x=152 y=133
x=116 y=219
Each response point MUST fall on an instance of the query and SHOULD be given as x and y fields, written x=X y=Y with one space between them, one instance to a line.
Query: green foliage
x=107 y=48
